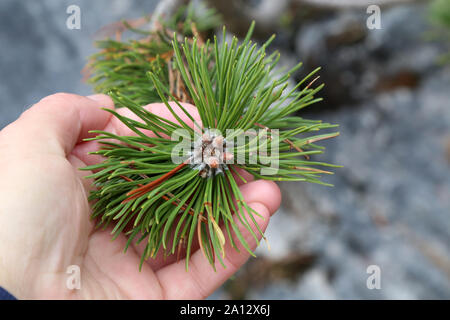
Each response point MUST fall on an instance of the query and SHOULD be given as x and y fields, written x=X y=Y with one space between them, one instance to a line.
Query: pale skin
x=45 y=224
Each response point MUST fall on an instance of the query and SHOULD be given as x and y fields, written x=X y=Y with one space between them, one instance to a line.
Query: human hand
x=45 y=224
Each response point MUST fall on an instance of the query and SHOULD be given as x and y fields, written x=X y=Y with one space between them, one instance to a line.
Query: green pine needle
x=140 y=191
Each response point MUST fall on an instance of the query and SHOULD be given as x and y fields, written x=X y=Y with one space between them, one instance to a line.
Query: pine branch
x=141 y=191
x=122 y=65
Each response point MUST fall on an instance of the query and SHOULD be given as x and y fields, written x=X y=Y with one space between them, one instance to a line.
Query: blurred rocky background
x=40 y=55
x=387 y=89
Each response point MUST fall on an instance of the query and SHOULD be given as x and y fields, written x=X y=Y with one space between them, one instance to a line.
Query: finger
x=58 y=122
x=117 y=127
x=159 y=109
x=241 y=176
x=263 y=191
x=201 y=279
x=104 y=100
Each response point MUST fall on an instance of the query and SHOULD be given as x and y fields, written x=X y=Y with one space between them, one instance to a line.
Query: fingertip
x=83 y=152
x=263 y=211
x=103 y=99
x=264 y=192
x=239 y=174
x=161 y=110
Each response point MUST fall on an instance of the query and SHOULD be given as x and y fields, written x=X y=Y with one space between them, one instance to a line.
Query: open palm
x=45 y=224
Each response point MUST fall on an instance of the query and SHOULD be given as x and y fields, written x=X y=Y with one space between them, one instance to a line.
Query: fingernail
x=260 y=208
x=97 y=97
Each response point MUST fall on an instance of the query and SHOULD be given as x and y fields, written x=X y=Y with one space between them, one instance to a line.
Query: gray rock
x=358 y=62
x=389 y=207
x=40 y=56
